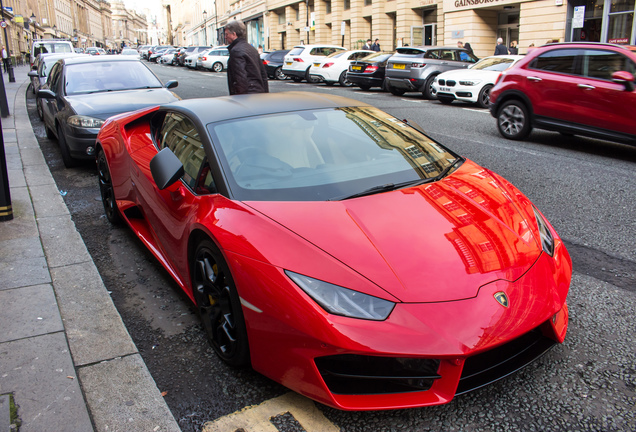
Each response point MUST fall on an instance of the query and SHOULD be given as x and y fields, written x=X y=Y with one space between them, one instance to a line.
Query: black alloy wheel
x=513 y=120
x=217 y=67
x=69 y=161
x=219 y=305
x=484 y=96
x=343 y=81
x=106 y=189
x=278 y=73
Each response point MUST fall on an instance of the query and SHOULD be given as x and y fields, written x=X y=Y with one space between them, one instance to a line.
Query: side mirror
x=46 y=94
x=166 y=168
x=172 y=84
x=625 y=78
x=33 y=73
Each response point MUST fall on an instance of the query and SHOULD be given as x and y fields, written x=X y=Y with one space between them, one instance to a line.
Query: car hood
x=431 y=243
x=106 y=104
x=469 y=74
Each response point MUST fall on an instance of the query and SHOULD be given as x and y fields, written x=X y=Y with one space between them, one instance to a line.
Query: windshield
x=95 y=77
x=52 y=47
x=323 y=154
x=496 y=63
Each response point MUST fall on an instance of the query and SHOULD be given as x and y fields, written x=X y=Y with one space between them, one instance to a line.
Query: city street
x=587 y=190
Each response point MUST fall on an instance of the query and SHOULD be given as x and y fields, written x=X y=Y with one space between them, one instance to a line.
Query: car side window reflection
x=54 y=77
x=602 y=64
x=559 y=60
x=180 y=135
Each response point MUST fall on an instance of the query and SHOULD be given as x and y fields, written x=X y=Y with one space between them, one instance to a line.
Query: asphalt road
x=586 y=188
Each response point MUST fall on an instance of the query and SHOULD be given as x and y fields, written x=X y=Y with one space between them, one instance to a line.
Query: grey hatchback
x=413 y=69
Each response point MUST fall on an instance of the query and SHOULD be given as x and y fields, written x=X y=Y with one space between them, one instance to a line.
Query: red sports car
x=336 y=248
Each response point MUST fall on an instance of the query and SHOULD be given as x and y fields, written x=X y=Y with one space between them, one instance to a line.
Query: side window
x=558 y=60
x=54 y=76
x=602 y=64
x=448 y=55
x=180 y=135
x=432 y=54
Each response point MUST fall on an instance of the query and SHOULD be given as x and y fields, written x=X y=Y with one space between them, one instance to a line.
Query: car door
x=171 y=212
x=551 y=82
x=50 y=106
x=600 y=102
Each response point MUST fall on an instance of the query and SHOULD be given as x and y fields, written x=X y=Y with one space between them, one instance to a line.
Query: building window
x=367 y=2
x=347 y=4
x=281 y=18
x=328 y=7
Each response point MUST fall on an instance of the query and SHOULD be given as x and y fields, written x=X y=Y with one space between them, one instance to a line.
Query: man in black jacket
x=245 y=70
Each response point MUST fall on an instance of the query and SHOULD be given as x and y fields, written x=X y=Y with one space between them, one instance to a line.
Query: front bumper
x=465 y=94
x=81 y=142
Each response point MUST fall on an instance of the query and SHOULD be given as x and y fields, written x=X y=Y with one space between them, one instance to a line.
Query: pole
x=6 y=211
x=6 y=44
x=307 y=7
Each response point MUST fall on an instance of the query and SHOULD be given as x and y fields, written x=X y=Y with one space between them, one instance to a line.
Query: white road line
x=257 y=418
x=482 y=110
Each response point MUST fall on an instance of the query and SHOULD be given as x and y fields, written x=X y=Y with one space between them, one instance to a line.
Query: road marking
x=482 y=110
x=413 y=100
x=256 y=418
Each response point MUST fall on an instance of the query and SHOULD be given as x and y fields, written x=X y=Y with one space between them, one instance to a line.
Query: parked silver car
x=214 y=59
x=413 y=69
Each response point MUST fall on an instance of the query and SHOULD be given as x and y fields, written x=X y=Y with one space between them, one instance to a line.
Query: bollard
x=6 y=211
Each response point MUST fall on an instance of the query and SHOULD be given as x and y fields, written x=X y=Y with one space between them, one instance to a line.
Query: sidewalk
x=65 y=354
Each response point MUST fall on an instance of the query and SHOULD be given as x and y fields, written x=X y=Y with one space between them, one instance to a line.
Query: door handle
x=535 y=79
x=585 y=86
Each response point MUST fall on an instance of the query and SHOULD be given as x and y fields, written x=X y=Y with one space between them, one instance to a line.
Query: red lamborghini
x=336 y=248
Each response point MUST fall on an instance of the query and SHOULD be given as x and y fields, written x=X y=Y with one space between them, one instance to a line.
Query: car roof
x=97 y=59
x=319 y=46
x=216 y=109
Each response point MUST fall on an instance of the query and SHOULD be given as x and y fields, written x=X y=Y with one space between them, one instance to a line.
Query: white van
x=50 y=46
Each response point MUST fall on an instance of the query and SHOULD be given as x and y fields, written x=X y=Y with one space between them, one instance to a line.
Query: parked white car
x=333 y=69
x=167 y=57
x=130 y=52
x=473 y=84
x=215 y=59
x=298 y=61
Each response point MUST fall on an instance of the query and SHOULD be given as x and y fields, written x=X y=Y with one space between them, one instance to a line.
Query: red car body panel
x=457 y=242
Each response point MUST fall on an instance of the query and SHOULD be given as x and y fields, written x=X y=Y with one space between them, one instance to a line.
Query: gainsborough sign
x=457 y=5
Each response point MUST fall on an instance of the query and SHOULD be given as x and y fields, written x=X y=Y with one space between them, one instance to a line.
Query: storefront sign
x=457 y=5
x=621 y=41
x=579 y=17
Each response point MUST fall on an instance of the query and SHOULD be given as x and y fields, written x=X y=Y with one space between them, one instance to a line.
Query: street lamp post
x=6 y=44
x=205 y=29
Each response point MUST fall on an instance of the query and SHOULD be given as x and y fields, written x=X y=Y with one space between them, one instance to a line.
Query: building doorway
x=508 y=27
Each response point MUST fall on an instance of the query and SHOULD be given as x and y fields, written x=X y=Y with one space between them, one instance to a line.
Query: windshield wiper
x=393 y=186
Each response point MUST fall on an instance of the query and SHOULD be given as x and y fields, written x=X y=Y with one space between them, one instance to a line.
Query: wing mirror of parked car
x=166 y=168
x=625 y=78
x=172 y=84
x=33 y=73
x=46 y=94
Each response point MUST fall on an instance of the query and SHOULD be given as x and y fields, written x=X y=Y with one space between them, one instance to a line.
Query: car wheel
x=106 y=189
x=484 y=96
x=278 y=73
x=68 y=160
x=395 y=91
x=219 y=305
x=513 y=120
x=308 y=78
x=365 y=87
x=429 y=92
x=445 y=100
x=343 y=81
x=38 y=106
x=217 y=67
x=297 y=79
x=49 y=133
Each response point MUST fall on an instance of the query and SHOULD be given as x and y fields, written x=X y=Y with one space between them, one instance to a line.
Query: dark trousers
x=5 y=62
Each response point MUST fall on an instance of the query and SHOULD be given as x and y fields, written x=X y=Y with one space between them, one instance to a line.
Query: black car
x=369 y=72
x=273 y=62
x=82 y=92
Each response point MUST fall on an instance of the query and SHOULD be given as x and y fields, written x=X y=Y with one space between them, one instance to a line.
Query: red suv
x=573 y=88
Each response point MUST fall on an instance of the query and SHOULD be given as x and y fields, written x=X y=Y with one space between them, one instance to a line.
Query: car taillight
x=204 y=58
x=265 y=62
x=326 y=65
x=370 y=69
x=298 y=59
x=417 y=65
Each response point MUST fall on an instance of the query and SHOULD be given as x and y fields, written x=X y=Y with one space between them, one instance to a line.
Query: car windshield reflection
x=95 y=77
x=323 y=154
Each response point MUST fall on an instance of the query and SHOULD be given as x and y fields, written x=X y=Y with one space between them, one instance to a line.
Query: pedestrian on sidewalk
x=376 y=46
x=5 y=58
x=245 y=70
x=501 y=49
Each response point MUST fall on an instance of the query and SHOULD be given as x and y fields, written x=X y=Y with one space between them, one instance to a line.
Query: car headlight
x=342 y=301
x=84 y=121
x=469 y=83
x=547 y=241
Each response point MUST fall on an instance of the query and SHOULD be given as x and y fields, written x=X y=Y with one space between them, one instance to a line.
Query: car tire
x=343 y=81
x=429 y=91
x=219 y=305
x=395 y=91
x=49 y=133
x=297 y=79
x=445 y=100
x=69 y=161
x=308 y=77
x=364 y=87
x=483 y=100
x=278 y=74
x=217 y=67
x=513 y=120
x=106 y=189
x=38 y=106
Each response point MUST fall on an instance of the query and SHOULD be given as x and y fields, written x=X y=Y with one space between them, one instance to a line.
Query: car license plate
x=399 y=66
x=316 y=64
x=445 y=89
x=288 y=63
x=356 y=68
